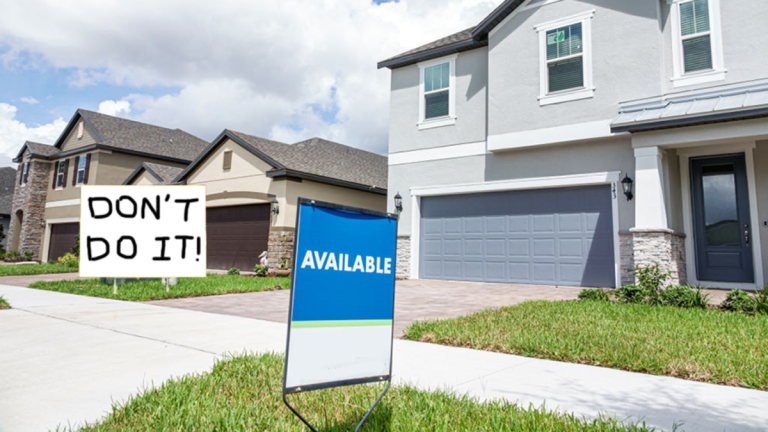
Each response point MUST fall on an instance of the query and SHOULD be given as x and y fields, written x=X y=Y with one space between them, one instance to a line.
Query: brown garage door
x=62 y=239
x=237 y=236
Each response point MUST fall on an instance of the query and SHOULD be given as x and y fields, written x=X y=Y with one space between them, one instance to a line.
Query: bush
x=75 y=264
x=260 y=270
x=76 y=248
x=67 y=257
x=631 y=294
x=739 y=301
x=28 y=255
x=234 y=271
x=684 y=296
x=761 y=301
x=13 y=256
x=594 y=294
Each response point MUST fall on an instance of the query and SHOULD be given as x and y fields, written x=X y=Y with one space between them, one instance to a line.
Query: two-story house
x=561 y=142
x=93 y=149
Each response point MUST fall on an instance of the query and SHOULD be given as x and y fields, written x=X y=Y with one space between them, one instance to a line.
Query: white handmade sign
x=142 y=231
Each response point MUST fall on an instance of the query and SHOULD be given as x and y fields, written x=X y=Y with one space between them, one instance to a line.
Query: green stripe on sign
x=343 y=323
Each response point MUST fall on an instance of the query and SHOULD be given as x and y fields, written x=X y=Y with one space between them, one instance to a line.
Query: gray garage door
x=547 y=237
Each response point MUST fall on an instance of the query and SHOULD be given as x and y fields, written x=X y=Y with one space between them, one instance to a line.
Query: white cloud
x=259 y=67
x=13 y=133
x=30 y=100
x=115 y=108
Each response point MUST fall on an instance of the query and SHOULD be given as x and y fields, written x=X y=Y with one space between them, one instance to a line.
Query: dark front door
x=722 y=227
x=237 y=236
x=63 y=238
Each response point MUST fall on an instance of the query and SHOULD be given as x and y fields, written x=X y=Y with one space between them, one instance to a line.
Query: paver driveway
x=415 y=300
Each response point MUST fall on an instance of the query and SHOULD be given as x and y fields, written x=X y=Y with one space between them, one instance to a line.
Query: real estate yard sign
x=142 y=231
x=342 y=298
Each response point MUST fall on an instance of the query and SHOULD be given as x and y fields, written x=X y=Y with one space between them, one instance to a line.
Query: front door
x=722 y=226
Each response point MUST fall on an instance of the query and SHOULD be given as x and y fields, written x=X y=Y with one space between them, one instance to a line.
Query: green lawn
x=155 y=290
x=244 y=394
x=702 y=345
x=4 y=304
x=33 y=269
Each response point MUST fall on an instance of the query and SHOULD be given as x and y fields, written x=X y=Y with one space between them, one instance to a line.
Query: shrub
x=234 y=271
x=28 y=255
x=761 y=301
x=13 y=256
x=631 y=294
x=594 y=294
x=72 y=264
x=67 y=257
x=684 y=296
x=739 y=301
x=260 y=270
x=76 y=248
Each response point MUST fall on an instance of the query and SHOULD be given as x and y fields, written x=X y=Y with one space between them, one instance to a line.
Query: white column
x=650 y=205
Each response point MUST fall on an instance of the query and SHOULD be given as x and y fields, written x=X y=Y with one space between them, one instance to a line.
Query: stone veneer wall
x=30 y=199
x=627 y=258
x=663 y=247
x=280 y=250
x=403 y=265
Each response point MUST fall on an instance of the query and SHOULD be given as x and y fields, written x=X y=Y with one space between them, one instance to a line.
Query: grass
x=214 y=284
x=34 y=269
x=694 y=344
x=4 y=303
x=244 y=394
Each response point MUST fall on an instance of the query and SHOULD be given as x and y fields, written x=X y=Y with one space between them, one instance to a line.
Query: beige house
x=253 y=185
x=93 y=149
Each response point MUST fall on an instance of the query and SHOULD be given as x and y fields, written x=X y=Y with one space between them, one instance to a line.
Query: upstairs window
x=437 y=93
x=25 y=173
x=565 y=50
x=81 y=164
x=696 y=35
x=61 y=173
x=698 y=46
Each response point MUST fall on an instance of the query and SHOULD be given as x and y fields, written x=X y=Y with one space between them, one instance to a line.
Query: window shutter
x=87 y=168
x=77 y=168
x=55 y=173
x=21 y=174
x=227 y=160
x=64 y=180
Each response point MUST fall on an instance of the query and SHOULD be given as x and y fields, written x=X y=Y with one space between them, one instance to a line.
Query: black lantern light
x=275 y=207
x=627 y=185
x=398 y=202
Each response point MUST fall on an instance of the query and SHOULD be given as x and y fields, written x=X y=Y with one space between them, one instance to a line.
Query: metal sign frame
x=343 y=383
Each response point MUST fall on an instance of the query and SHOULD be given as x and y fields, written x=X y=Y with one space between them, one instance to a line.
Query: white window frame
x=718 y=71
x=586 y=92
x=450 y=119
x=82 y=160
x=24 y=173
x=60 y=175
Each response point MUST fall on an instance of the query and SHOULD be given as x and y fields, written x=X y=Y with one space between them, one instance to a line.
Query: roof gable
x=165 y=174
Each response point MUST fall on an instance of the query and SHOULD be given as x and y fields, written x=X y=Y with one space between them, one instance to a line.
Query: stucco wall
x=626 y=49
x=471 y=89
x=72 y=141
x=144 y=179
x=114 y=168
x=328 y=193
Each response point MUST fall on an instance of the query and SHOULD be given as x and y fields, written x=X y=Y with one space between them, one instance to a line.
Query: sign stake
x=114 y=290
x=167 y=284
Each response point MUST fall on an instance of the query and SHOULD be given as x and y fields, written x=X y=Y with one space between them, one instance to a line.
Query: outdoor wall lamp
x=398 y=202
x=627 y=185
x=275 y=207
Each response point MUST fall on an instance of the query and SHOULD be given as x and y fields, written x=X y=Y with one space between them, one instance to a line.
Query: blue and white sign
x=342 y=301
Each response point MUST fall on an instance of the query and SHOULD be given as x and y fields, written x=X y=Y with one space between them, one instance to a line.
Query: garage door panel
x=236 y=236
x=556 y=236
x=63 y=237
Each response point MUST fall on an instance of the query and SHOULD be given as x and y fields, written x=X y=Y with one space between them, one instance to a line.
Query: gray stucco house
x=512 y=144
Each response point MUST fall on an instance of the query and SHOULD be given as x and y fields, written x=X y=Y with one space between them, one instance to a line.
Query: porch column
x=652 y=240
x=650 y=208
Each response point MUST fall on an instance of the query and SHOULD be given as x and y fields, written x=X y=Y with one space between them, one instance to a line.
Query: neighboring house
x=93 y=149
x=150 y=173
x=253 y=186
x=509 y=142
x=7 y=185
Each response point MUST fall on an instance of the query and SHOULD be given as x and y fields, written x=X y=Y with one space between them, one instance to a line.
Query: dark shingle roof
x=141 y=137
x=471 y=38
x=324 y=158
x=7 y=185
x=166 y=172
x=42 y=149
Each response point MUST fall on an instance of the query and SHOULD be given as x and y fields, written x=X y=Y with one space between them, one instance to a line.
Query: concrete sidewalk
x=65 y=358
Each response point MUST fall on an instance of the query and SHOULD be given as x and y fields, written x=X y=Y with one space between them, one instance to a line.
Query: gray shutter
x=87 y=168
x=77 y=168
x=64 y=179
x=55 y=173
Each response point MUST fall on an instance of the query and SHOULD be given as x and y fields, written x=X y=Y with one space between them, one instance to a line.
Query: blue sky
x=288 y=70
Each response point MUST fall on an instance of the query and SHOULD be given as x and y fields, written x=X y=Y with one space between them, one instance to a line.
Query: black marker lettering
x=90 y=241
x=118 y=207
x=93 y=213
x=186 y=206
x=145 y=203
x=120 y=247
x=183 y=239
x=162 y=256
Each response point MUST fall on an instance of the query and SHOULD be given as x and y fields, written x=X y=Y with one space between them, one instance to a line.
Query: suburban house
x=93 y=149
x=7 y=186
x=252 y=190
x=562 y=142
